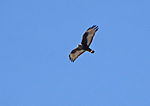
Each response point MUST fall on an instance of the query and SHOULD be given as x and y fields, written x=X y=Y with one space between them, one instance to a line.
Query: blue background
x=36 y=37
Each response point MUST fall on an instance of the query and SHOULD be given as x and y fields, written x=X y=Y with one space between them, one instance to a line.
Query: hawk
x=85 y=43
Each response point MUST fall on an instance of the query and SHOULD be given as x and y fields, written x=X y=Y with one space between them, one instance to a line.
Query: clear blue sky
x=36 y=37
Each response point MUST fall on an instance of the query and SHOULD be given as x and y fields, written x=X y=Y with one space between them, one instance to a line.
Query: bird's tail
x=92 y=51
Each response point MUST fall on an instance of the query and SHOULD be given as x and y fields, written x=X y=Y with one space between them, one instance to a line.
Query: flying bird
x=85 y=43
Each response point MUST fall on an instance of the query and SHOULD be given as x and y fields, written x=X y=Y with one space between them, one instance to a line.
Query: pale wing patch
x=90 y=37
x=75 y=54
x=91 y=32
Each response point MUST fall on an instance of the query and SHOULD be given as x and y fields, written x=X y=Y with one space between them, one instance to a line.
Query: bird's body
x=84 y=46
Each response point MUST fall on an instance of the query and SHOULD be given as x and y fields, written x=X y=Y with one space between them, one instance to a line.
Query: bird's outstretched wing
x=75 y=53
x=88 y=35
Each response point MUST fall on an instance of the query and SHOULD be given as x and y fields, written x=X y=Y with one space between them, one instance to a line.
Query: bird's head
x=79 y=45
